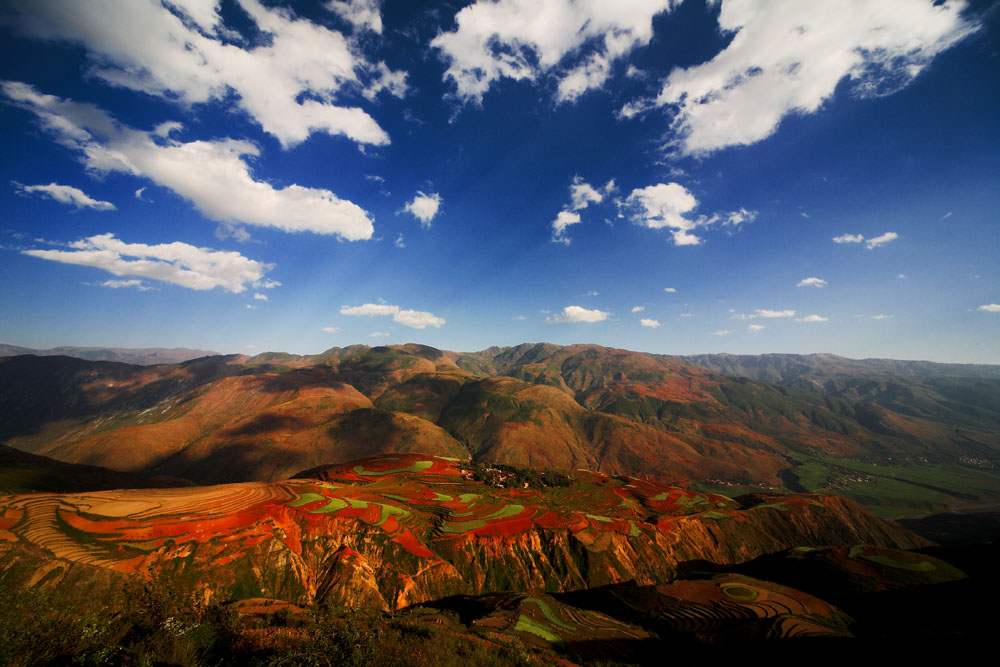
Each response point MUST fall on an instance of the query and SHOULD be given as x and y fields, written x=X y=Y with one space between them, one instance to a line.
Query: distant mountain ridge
x=146 y=356
x=238 y=418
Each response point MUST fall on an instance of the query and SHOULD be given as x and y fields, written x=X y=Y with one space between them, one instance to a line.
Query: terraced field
x=408 y=528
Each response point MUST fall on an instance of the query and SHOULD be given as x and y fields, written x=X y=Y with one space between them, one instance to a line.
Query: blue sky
x=672 y=177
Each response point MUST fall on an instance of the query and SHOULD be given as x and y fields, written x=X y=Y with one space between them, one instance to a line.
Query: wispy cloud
x=65 y=194
x=769 y=314
x=671 y=290
x=649 y=323
x=945 y=216
x=722 y=332
x=571 y=314
x=581 y=195
x=990 y=307
x=881 y=240
x=848 y=238
x=638 y=309
x=881 y=316
x=812 y=318
x=329 y=329
x=416 y=319
x=119 y=284
x=811 y=282
x=177 y=263
x=260 y=297
x=755 y=328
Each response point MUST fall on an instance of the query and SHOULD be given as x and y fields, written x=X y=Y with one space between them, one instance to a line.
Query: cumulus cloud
x=293 y=77
x=575 y=41
x=577 y=314
x=787 y=57
x=649 y=323
x=177 y=263
x=669 y=289
x=811 y=282
x=881 y=240
x=65 y=194
x=755 y=328
x=638 y=309
x=990 y=307
x=768 y=314
x=213 y=175
x=563 y=220
x=812 y=318
x=671 y=205
x=848 y=238
x=415 y=319
x=424 y=207
x=260 y=297
x=583 y=194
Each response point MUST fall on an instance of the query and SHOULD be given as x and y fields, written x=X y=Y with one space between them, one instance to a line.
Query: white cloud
x=881 y=316
x=329 y=329
x=415 y=319
x=138 y=194
x=687 y=315
x=583 y=194
x=990 y=307
x=213 y=175
x=362 y=14
x=578 y=314
x=755 y=328
x=576 y=41
x=669 y=289
x=811 y=282
x=812 y=318
x=293 y=77
x=399 y=242
x=369 y=309
x=736 y=218
x=593 y=292
x=881 y=240
x=769 y=314
x=665 y=205
x=649 y=323
x=260 y=297
x=177 y=263
x=945 y=216
x=118 y=284
x=787 y=57
x=418 y=319
x=722 y=332
x=66 y=194
x=902 y=276
x=424 y=207
x=521 y=318
x=849 y=238
x=376 y=334
x=638 y=309
x=559 y=225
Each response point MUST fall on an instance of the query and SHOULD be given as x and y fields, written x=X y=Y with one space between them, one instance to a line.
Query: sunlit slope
x=238 y=418
x=396 y=530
